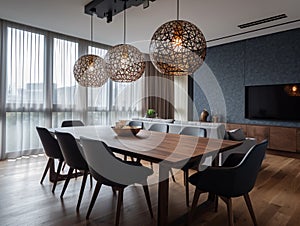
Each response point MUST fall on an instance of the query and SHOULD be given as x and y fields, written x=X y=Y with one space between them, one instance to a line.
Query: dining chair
x=74 y=159
x=164 y=128
x=70 y=123
x=53 y=151
x=197 y=132
x=229 y=182
x=136 y=124
x=109 y=170
x=159 y=127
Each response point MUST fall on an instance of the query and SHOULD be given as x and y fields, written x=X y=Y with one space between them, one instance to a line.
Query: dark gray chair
x=136 y=124
x=191 y=131
x=159 y=127
x=74 y=159
x=164 y=128
x=53 y=151
x=229 y=182
x=70 y=123
x=109 y=170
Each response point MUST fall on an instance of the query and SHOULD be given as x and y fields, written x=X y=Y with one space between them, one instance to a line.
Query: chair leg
x=147 y=195
x=120 y=201
x=96 y=192
x=64 y=165
x=186 y=185
x=172 y=174
x=216 y=203
x=49 y=163
x=85 y=175
x=57 y=174
x=91 y=180
x=194 y=205
x=66 y=182
x=228 y=202
x=250 y=208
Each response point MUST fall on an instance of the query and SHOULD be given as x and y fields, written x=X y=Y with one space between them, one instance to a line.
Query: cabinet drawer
x=283 y=139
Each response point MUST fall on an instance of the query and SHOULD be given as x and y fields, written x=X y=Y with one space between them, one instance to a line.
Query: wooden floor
x=23 y=201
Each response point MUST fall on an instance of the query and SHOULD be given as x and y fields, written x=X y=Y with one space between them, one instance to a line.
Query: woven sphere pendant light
x=90 y=71
x=177 y=48
x=124 y=63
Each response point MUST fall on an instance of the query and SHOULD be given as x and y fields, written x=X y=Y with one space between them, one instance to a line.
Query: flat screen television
x=273 y=102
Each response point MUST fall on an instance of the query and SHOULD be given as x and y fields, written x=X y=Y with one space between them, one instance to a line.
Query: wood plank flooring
x=23 y=201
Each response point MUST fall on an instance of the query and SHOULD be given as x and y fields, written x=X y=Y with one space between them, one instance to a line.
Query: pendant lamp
x=177 y=48
x=124 y=63
x=89 y=70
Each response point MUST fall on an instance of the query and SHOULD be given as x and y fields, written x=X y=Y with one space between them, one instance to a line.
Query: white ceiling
x=216 y=18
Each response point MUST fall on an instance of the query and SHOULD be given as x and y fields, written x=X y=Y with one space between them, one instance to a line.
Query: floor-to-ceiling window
x=25 y=93
x=38 y=88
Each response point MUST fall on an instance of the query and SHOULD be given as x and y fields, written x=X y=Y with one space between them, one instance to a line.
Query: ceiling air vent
x=262 y=21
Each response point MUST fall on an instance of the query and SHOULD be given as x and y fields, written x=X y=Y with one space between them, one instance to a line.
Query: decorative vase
x=203 y=116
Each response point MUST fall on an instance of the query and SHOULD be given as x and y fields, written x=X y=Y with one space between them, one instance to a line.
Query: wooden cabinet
x=259 y=132
x=231 y=126
x=280 y=138
x=283 y=138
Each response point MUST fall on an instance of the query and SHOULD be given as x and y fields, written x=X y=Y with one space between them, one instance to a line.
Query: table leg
x=163 y=195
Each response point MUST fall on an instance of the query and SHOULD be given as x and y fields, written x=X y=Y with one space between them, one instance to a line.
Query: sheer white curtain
x=38 y=88
x=98 y=98
x=25 y=90
x=67 y=96
x=113 y=101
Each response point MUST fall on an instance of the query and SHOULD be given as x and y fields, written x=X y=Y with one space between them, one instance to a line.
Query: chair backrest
x=71 y=151
x=136 y=124
x=246 y=172
x=70 y=123
x=159 y=127
x=49 y=143
x=194 y=131
x=105 y=166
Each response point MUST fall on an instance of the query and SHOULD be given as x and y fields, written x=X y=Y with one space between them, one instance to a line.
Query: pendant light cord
x=124 y=20
x=92 y=25
x=177 y=9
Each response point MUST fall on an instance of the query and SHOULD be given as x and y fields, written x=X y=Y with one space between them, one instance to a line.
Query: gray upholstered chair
x=164 y=128
x=191 y=131
x=74 y=159
x=70 y=123
x=159 y=127
x=109 y=170
x=231 y=181
x=53 y=151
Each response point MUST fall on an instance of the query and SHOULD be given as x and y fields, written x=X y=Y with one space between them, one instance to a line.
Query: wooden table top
x=154 y=146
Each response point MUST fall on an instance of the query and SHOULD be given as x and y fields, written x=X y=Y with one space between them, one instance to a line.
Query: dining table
x=165 y=149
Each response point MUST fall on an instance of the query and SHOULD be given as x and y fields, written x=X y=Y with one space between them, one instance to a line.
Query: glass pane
x=65 y=54
x=25 y=70
x=21 y=130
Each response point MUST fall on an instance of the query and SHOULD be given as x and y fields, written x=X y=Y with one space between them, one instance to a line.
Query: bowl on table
x=126 y=130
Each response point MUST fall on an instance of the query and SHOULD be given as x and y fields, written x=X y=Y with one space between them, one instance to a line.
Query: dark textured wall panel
x=271 y=59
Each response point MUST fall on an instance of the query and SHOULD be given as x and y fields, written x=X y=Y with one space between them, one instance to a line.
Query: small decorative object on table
x=151 y=113
x=203 y=116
